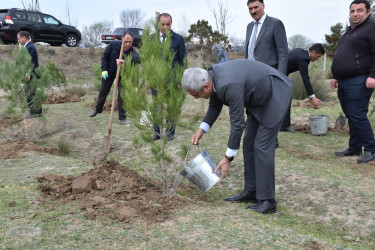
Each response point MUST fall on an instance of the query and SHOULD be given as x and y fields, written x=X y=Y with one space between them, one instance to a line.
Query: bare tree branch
x=30 y=5
x=132 y=18
x=221 y=15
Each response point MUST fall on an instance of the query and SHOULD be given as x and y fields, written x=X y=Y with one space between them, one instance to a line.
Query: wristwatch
x=230 y=159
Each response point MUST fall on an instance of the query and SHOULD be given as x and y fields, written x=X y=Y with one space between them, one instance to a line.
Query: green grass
x=324 y=202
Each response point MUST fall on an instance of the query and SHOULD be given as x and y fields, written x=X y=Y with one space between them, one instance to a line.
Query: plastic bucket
x=318 y=124
x=200 y=171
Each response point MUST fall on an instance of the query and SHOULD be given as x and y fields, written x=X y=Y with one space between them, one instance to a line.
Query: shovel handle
x=115 y=90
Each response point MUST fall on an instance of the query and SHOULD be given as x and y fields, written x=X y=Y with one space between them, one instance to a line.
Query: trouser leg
x=121 y=110
x=105 y=88
x=354 y=99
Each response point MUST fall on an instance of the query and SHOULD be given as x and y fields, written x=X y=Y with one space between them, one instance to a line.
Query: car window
x=140 y=32
x=119 y=31
x=50 y=20
x=20 y=15
x=34 y=17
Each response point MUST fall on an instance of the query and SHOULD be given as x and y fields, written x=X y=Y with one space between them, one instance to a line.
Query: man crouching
x=265 y=93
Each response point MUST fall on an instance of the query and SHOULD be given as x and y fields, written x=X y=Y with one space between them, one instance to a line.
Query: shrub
x=319 y=83
x=65 y=147
x=77 y=90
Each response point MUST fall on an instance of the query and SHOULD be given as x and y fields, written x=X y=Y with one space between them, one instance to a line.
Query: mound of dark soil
x=107 y=105
x=11 y=150
x=61 y=97
x=6 y=121
x=114 y=191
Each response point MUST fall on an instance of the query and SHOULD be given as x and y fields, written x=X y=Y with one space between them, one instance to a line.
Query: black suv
x=42 y=28
x=118 y=32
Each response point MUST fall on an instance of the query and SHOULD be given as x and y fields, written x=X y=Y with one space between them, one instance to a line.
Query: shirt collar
x=261 y=20
x=27 y=43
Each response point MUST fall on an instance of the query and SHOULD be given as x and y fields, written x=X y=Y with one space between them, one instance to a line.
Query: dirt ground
x=15 y=149
x=115 y=191
x=107 y=105
x=61 y=97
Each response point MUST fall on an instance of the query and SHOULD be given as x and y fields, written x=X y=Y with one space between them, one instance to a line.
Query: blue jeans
x=354 y=99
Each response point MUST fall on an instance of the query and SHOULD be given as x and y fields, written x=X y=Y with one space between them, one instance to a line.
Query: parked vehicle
x=42 y=27
x=118 y=32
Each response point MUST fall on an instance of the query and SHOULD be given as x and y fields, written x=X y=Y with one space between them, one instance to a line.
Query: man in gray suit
x=266 y=40
x=264 y=93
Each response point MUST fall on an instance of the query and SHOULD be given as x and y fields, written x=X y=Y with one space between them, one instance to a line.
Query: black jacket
x=112 y=53
x=355 y=52
x=299 y=59
x=34 y=55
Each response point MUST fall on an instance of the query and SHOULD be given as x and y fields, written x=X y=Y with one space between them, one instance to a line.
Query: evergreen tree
x=207 y=39
x=15 y=81
x=156 y=72
x=333 y=39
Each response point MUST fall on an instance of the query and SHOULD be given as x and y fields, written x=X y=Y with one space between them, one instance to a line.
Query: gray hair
x=194 y=79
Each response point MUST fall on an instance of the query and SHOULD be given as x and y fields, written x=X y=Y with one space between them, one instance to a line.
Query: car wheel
x=229 y=48
x=71 y=40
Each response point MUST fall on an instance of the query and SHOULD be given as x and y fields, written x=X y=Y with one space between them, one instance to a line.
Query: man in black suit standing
x=109 y=68
x=23 y=38
x=178 y=47
x=299 y=59
x=264 y=93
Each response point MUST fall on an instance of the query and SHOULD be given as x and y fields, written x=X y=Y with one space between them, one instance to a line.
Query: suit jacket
x=112 y=52
x=271 y=46
x=299 y=59
x=34 y=55
x=178 y=46
x=240 y=84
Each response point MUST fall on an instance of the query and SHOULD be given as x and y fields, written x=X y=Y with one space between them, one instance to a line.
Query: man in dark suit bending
x=109 y=68
x=265 y=94
x=299 y=59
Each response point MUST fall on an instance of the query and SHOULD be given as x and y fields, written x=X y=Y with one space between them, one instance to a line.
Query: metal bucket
x=200 y=171
x=318 y=124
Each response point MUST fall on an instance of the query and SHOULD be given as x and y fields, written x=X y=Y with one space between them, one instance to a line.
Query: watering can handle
x=187 y=153
x=321 y=109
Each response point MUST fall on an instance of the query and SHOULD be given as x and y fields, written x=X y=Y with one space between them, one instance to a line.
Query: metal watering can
x=200 y=171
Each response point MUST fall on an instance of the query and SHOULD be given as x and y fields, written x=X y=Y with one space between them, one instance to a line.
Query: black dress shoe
x=244 y=196
x=347 y=152
x=155 y=136
x=264 y=207
x=33 y=115
x=288 y=129
x=94 y=113
x=367 y=157
x=123 y=121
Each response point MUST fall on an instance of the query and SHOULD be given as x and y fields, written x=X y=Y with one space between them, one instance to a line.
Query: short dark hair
x=24 y=34
x=368 y=5
x=318 y=48
x=165 y=15
x=127 y=33
x=251 y=1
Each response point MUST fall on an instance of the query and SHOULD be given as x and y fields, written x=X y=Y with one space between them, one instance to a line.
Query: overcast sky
x=311 y=18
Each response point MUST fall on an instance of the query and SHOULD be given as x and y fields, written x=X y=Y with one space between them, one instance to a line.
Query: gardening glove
x=105 y=75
